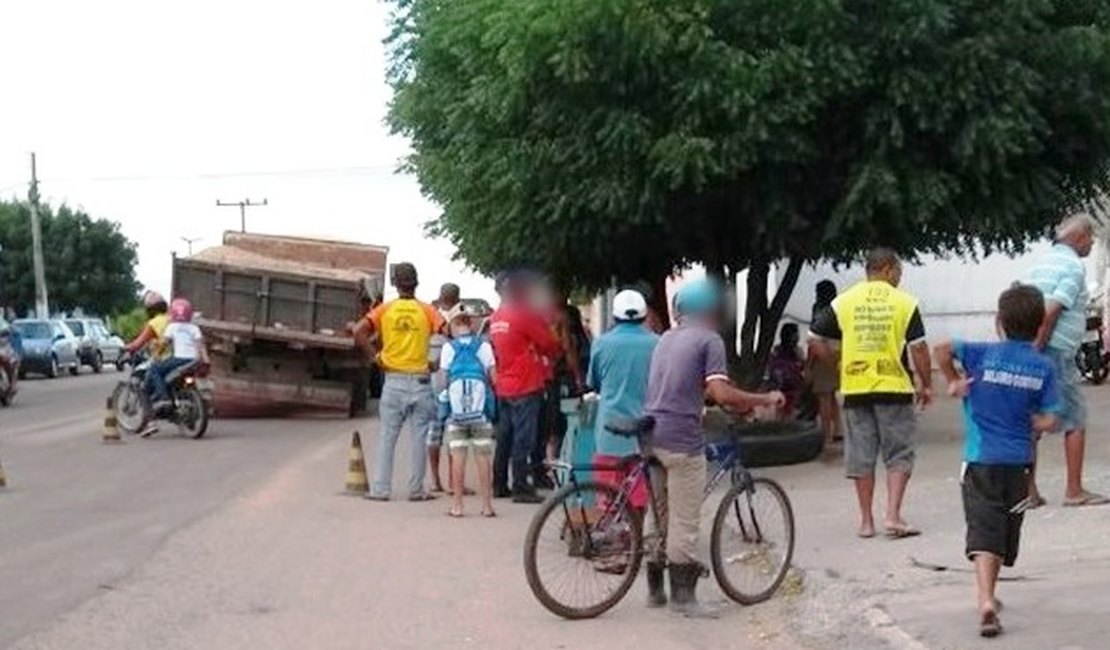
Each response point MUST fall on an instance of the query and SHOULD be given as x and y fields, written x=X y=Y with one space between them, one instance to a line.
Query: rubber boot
x=684 y=581
x=657 y=592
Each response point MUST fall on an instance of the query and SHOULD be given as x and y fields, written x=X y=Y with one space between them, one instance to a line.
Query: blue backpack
x=469 y=395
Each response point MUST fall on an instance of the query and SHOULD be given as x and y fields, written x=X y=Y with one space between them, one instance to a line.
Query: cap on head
x=629 y=306
x=697 y=298
x=404 y=276
x=460 y=314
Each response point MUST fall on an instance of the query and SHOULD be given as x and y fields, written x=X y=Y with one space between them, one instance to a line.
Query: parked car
x=96 y=345
x=48 y=347
x=10 y=346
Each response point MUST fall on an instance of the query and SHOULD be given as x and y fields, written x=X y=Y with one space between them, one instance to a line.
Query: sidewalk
x=867 y=594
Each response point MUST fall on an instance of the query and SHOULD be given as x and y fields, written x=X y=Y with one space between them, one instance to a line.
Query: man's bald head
x=1077 y=232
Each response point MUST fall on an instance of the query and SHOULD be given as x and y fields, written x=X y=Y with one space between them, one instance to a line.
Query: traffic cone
x=357 y=482
x=111 y=431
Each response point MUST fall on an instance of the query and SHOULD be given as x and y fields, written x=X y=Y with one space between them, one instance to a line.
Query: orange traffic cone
x=357 y=483
x=111 y=431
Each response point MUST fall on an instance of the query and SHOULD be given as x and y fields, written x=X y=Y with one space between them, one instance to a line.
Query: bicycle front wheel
x=582 y=551
x=753 y=541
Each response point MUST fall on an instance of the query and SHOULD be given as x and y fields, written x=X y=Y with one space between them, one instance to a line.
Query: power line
x=318 y=171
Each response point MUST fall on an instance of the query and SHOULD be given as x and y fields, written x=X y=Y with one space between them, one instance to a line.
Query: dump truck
x=275 y=313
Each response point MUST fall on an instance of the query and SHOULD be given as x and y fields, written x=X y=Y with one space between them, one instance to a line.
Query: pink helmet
x=181 y=310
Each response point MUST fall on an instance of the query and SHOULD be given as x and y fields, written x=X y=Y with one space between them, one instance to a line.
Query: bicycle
x=601 y=537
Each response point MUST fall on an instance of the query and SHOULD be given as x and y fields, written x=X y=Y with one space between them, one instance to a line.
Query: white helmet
x=629 y=305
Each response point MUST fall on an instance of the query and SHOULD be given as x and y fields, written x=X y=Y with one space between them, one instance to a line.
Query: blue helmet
x=697 y=297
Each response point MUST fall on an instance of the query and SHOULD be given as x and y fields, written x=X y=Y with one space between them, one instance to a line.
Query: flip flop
x=490 y=514
x=454 y=514
x=989 y=625
x=901 y=531
x=1087 y=499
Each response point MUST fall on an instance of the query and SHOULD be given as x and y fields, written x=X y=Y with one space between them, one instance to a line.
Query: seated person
x=187 y=346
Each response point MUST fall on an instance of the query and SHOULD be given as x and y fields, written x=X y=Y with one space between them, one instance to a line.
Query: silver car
x=48 y=347
x=96 y=345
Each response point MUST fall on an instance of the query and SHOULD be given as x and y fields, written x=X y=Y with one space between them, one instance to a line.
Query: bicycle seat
x=630 y=427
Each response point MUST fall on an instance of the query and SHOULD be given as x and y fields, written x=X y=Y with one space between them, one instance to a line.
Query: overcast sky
x=148 y=112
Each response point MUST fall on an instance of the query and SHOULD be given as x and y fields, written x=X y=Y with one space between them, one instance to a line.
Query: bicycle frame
x=637 y=467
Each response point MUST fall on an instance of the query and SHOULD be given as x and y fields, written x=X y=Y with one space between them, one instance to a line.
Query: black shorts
x=989 y=494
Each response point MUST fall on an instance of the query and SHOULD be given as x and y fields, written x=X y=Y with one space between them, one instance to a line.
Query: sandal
x=989 y=625
x=1086 y=499
x=454 y=514
x=490 y=514
x=901 y=531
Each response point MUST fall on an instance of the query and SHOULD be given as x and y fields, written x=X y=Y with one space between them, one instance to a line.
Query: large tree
x=90 y=264
x=606 y=138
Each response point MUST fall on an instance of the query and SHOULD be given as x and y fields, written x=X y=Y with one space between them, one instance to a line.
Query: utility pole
x=189 y=242
x=243 y=205
x=42 y=303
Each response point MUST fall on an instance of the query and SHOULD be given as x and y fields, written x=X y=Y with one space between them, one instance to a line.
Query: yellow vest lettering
x=873 y=318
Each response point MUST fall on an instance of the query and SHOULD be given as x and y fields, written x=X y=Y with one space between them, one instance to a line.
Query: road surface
x=243 y=540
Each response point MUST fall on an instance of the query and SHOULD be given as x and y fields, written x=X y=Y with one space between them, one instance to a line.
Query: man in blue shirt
x=1062 y=279
x=1009 y=393
x=619 y=365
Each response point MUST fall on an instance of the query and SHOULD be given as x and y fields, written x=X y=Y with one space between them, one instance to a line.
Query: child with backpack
x=467 y=407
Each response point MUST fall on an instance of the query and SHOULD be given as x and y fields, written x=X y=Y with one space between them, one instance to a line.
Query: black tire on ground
x=724 y=509
x=52 y=371
x=200 y=424
x=98 y=363
x=75 y=369
x=771 y=444
x=554 y=506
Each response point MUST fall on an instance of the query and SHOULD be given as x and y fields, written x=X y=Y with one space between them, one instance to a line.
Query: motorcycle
x=187 y=407
x=1092 y=359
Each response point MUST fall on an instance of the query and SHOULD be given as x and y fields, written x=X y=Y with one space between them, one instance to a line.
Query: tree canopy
x=90 y=264
x=601 y=138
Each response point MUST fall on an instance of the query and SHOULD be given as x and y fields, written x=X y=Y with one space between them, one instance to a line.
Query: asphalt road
x=79 y=517
x=244 y=540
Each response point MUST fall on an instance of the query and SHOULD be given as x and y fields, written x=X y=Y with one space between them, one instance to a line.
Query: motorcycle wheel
x=129 y=404
x=1094 y=367
x=191 y=413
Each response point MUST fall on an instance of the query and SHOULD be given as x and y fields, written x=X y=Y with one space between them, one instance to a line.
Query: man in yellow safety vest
x=879 y=328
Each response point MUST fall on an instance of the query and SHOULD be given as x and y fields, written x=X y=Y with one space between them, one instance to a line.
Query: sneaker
x=149 y=431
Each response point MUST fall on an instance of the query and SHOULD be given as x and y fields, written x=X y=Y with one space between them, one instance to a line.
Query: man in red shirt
x=523 y=346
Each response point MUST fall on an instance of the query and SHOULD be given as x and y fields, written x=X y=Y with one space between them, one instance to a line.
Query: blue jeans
x=519 y=423
x=405 y=398
x=157 y=376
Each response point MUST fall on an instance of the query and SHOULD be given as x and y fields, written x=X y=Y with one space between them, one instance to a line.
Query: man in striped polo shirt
x=1062 y=278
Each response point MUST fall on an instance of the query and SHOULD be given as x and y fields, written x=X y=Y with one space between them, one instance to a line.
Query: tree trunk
x=761 y=320
x=660 y=316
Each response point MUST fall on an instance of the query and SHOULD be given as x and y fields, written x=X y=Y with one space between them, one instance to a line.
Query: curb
x=885 y=628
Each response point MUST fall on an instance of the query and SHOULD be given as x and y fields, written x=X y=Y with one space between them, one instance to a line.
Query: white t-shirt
x=485 y=353
x=186 y=339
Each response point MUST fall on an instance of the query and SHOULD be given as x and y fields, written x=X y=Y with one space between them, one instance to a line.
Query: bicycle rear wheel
x=580 y=560
x=753 y=541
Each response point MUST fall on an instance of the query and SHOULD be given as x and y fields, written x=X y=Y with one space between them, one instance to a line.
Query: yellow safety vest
x=873 y=318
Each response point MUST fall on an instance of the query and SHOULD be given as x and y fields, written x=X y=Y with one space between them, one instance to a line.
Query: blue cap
x=697 y=297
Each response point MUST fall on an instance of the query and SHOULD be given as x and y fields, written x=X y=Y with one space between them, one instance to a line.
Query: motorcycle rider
x=186 y=344
x=153 y=335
